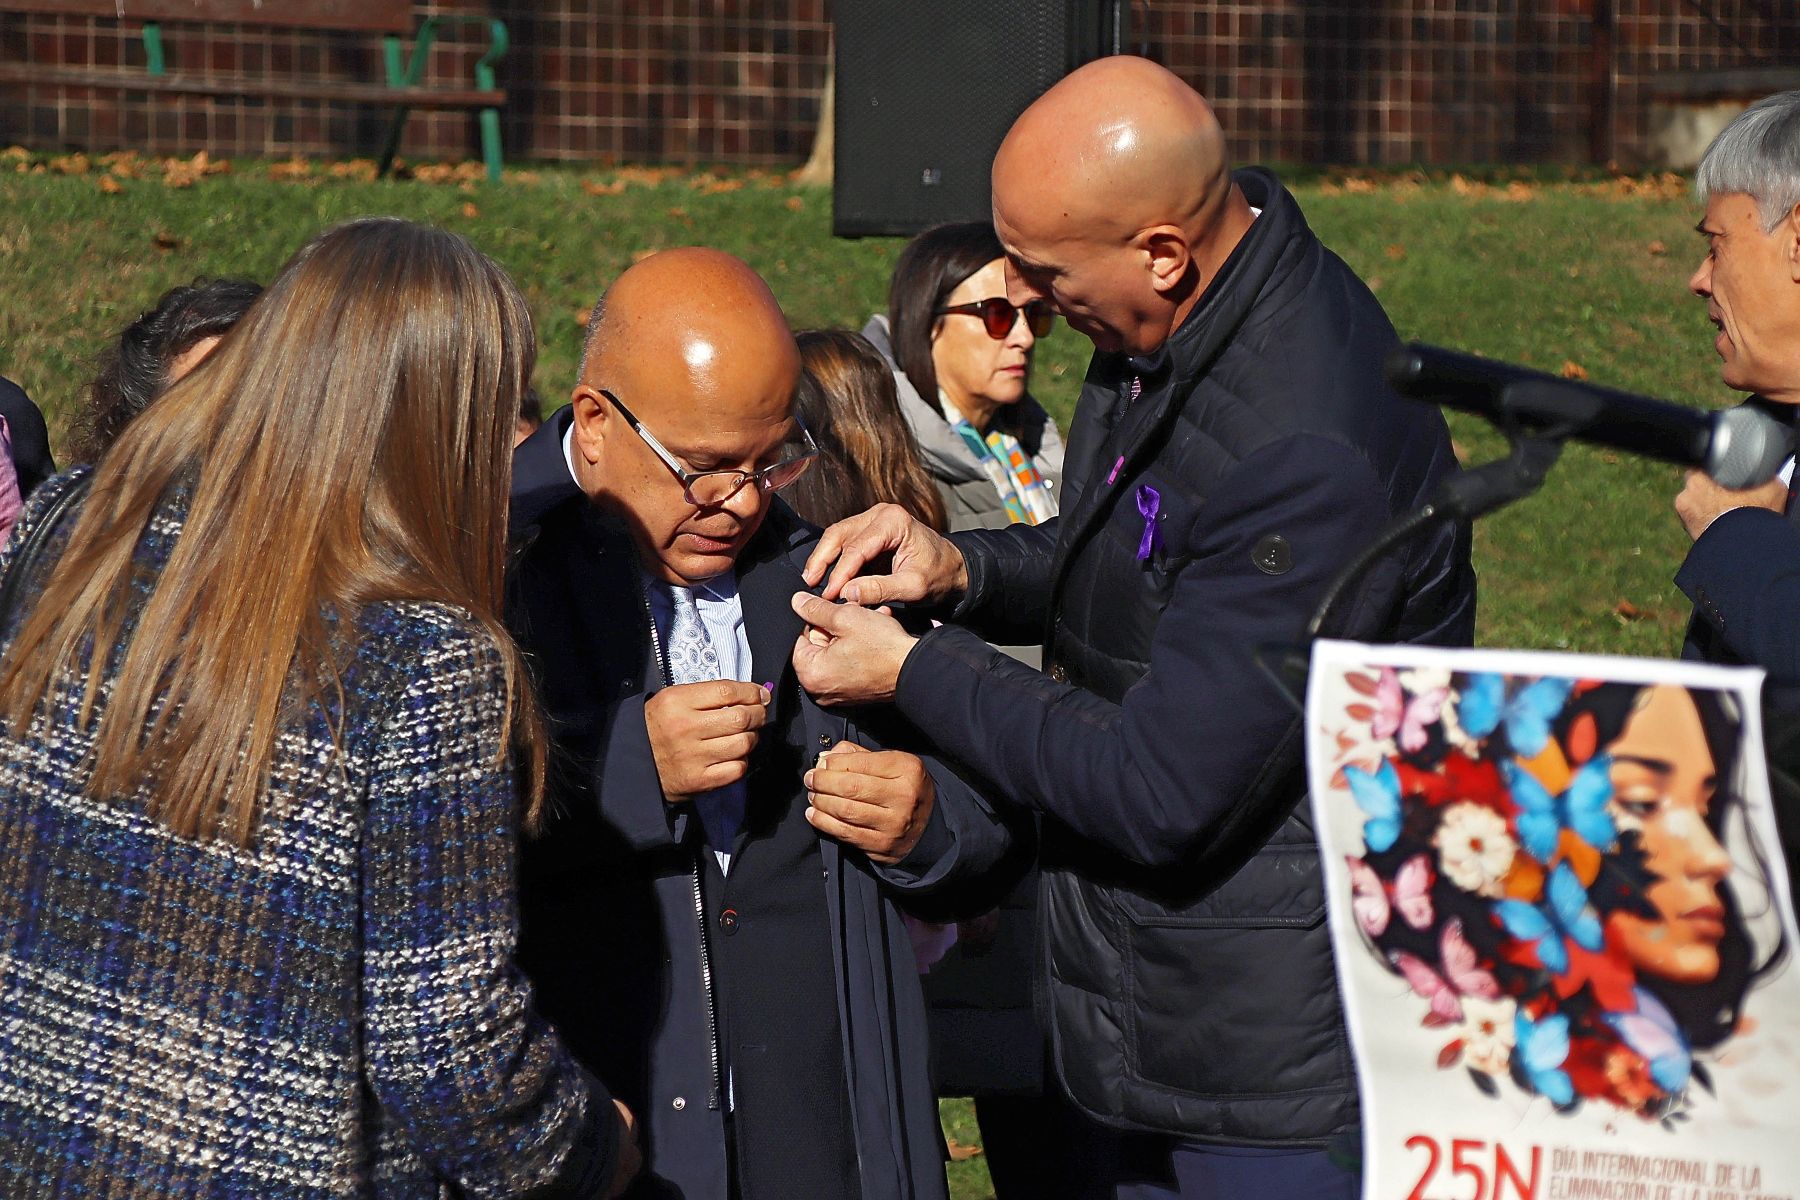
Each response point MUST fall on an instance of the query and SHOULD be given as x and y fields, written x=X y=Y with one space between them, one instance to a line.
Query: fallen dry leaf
x=1625 y=610
x=795 y=203
x=708 y=186
x=294 y=168
x=1356 y=185
x=70 y=164
x=1657 y=249
x=362 y=170
x=163 y=240
x=470 y=211
x=1518 y=190
x=1395 y=251
x=1572 y=370
x=111 y=186
x=960 y=1152
x=602 y=189
x=583 y=316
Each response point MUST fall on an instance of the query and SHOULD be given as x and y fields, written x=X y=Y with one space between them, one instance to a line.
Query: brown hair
x=350 y=443
x=867 y=454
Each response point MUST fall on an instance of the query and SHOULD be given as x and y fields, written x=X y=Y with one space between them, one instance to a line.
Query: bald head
x=693 y=345
x=1120 y=143
x=1117 y=148
x=697 y=318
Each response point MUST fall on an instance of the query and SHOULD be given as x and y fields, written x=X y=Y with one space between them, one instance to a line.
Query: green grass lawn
x=1524 y=268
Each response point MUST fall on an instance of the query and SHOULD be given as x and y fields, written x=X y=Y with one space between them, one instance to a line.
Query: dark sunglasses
x=998 y=315
x=709 y=489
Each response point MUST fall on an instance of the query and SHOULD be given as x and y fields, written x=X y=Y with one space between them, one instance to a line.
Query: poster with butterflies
x=1561 y=922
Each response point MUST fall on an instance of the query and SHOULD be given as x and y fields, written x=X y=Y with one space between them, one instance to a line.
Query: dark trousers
x=1038 y=1147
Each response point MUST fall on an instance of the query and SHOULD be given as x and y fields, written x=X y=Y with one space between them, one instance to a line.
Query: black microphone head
x=1403 y=367
x=1748 y=446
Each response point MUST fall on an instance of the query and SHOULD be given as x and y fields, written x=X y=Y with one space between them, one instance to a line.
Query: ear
x=1166 y=251
x=593 y=420
x=1789 y=233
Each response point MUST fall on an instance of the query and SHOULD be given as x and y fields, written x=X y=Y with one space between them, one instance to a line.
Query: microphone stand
x=1464 y=496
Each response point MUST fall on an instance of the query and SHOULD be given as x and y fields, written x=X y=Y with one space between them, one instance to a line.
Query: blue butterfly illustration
x=1582 y=807
x=1379 y=796
x=1540 y=1051
x=1568 y=914
x=1483 y=706
x=1653 y=1033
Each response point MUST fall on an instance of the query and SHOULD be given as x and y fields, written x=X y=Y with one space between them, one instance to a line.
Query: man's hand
x=926 y=566
x=1701 y=500
x=702 y=734
x=876 y=801
x=849 y=655
x=631 y=1158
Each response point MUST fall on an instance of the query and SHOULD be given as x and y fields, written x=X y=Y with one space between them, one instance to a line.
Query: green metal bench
x=403 y=90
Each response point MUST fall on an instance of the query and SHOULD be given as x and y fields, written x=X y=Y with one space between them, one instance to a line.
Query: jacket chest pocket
x=1152 y=527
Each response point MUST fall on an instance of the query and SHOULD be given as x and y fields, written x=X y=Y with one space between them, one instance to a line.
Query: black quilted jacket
x=1189 y=973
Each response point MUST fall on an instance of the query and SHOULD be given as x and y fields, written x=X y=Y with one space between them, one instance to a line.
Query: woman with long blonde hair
x=257 y=811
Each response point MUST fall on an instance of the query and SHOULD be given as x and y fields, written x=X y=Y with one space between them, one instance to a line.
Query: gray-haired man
x=1743 y=571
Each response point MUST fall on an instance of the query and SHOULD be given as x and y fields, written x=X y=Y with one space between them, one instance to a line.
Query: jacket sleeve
x=482 y=1087
x=1009 y=581
x=1743 y=575
x=1155 y=777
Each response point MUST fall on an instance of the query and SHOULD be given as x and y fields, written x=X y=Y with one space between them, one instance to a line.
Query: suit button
x=728 y=921
x=679 y=1103
x=825 y=739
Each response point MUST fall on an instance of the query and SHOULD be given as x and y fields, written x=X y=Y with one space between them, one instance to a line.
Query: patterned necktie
x=692 y=659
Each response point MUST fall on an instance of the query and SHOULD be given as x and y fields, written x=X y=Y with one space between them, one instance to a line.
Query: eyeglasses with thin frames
x=710 y=489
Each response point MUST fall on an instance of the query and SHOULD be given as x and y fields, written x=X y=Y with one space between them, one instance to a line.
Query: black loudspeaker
x=926 y=90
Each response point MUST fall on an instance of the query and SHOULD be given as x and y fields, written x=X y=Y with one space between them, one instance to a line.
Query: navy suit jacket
x=1743 y=575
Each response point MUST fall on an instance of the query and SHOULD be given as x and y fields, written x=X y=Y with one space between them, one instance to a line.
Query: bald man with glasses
x=709 y=916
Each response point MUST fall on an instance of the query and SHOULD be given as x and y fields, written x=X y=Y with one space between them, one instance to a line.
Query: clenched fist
x=1702 y=501
x=876 y=801
x=702 y=734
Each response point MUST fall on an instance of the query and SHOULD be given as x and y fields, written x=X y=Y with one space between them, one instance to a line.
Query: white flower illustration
x=1475 y=851
x=1487 y=1034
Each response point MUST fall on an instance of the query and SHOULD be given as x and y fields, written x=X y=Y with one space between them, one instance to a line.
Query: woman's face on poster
x=1664 y=782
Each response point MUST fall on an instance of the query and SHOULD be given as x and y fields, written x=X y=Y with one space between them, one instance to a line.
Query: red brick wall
x=1357 y=81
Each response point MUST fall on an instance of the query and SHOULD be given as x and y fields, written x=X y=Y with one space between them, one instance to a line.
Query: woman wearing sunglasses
x=962 y=360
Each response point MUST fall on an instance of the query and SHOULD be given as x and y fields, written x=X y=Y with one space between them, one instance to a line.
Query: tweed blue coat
x=331 y=1012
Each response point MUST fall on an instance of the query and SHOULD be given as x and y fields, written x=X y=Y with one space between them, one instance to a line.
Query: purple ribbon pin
x=1149 y=502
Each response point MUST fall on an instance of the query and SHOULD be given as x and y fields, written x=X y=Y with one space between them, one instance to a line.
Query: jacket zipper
x=706 y=973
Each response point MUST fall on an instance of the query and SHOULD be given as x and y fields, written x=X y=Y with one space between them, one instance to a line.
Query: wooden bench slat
x=366 y=16
x=252 y=85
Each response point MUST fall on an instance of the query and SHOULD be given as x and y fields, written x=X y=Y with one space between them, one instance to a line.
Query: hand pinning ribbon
x=1149 y=502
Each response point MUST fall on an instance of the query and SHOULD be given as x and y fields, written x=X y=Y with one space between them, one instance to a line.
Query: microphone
x=1739 y=447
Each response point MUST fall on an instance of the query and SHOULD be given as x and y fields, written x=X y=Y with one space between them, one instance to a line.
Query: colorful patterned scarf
x=1022 y=488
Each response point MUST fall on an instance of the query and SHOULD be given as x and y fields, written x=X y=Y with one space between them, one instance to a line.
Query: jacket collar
x=1169 y=373
x=541 y=479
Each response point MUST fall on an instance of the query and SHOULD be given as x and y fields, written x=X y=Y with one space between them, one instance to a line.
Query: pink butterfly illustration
x=1463 y=976
x=1373 y=900
x=1395 y=715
